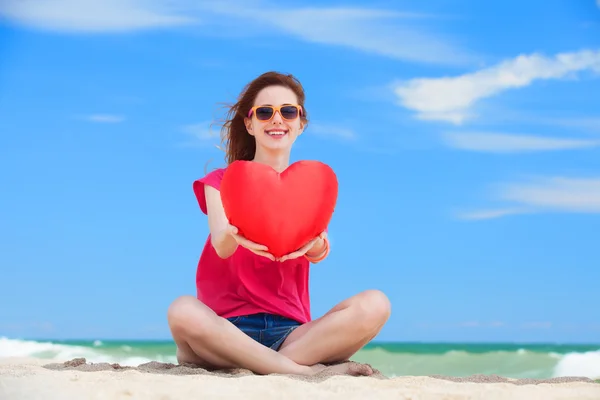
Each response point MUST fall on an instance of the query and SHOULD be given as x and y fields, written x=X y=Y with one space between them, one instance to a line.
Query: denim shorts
x=267 y=329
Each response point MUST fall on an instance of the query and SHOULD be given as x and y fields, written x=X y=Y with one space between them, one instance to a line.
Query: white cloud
x=381 y=32
x=536 y=325
x=557 y=194
x=105 y=118
x=490 y=214
x=92 y=15
x=200 y=134
x=200 y=131
x=506 y=143
x=331 y=131
x=585 y=124
x=451 y=99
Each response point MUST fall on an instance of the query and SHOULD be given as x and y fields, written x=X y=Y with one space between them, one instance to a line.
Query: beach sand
x=29 y=379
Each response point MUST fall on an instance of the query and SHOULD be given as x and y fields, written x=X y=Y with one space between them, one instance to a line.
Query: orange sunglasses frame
x=276 y=109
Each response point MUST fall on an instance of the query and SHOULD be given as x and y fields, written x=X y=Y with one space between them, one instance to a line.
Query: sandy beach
x=30 y=378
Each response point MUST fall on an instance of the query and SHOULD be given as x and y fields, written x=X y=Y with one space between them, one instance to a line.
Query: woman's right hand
x=256 y=248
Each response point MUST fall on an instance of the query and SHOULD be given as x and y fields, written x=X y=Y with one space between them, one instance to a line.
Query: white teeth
x=276 y=133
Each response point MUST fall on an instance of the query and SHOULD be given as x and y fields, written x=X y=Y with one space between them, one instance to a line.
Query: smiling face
x=276 y=134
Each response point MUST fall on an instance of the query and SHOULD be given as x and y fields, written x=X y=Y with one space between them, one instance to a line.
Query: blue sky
x=465 y=136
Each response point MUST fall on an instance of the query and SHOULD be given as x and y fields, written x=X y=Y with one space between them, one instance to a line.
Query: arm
x=221 y=238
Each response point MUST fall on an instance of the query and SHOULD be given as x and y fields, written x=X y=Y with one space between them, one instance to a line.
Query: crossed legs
x=205 y=339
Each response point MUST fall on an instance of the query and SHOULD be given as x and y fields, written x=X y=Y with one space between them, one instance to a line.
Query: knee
x=374 y=308
x=185 y=315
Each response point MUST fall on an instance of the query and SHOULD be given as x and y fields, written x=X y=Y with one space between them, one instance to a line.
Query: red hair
x=239 y=144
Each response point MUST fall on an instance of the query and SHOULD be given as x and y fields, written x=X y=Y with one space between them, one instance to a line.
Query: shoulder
x=212 y=179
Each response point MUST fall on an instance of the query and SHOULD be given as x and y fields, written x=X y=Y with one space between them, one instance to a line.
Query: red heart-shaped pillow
x=282 y=211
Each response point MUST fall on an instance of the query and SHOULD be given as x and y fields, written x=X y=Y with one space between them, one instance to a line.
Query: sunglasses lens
x=289 y=112
x=264 y=113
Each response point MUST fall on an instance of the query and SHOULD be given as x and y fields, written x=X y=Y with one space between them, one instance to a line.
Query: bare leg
x=206 y=339
x=341 y=332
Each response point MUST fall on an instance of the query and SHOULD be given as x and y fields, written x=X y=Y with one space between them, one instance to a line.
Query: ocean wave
x=62 y=352
x=521 y=362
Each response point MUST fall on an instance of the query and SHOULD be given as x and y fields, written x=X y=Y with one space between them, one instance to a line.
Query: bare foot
x=347 y=368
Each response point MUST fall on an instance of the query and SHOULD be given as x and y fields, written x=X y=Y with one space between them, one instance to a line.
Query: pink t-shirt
x=246 y=283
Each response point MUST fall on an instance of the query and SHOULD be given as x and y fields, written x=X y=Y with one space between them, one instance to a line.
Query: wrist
x=317 y=249
x=321 y=255
x=224 y=243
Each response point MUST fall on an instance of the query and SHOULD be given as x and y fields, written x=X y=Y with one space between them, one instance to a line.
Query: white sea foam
x=63 y=352
x=30 y=348
x=579 y=364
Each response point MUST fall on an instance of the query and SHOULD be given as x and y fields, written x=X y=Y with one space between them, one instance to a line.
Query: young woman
x=252 y=310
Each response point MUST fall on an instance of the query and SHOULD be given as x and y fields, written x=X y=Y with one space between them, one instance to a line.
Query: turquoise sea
x=393 y=359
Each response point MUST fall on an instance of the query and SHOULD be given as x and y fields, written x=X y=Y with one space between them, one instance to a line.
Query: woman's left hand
x=304 y=249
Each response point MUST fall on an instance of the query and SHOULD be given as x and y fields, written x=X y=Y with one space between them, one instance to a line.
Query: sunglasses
x=288 y=112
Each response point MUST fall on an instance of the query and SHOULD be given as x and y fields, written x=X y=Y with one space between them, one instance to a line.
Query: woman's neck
x=279 y=160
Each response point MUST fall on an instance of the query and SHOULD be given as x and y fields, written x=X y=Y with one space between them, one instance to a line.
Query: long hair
x=238 y=143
